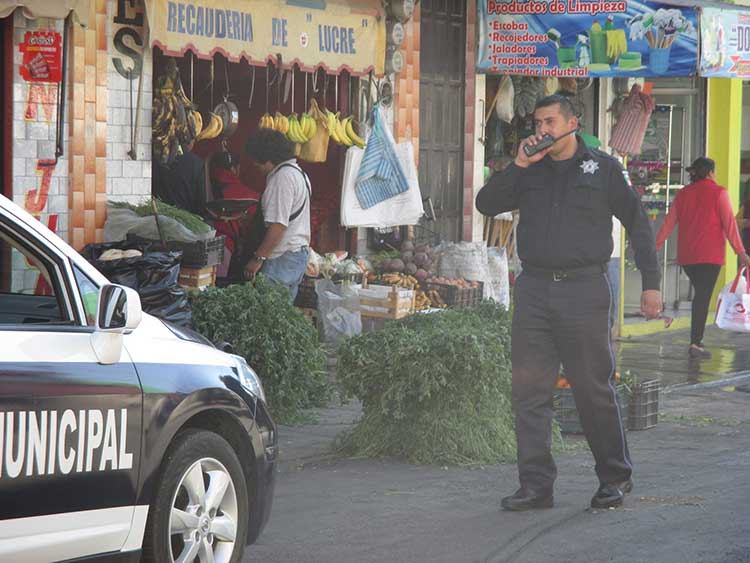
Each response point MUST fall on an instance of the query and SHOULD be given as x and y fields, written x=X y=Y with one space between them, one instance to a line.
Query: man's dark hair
x=566 y=107
x=269 y=145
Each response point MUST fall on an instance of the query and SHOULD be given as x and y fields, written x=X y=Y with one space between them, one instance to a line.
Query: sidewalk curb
x=730 y=379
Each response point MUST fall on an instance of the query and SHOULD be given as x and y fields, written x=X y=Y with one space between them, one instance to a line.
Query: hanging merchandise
x=504 y=104
x=630 y=129
x=528 y=90
x=403 y=209
x=316 y=149
x=176 y=120
x=380 y=176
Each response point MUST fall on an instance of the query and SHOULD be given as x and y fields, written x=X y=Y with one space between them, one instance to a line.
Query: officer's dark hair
x=566 y=107
x=269 y=145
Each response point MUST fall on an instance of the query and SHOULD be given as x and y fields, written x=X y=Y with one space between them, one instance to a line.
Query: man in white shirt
x=283 y=252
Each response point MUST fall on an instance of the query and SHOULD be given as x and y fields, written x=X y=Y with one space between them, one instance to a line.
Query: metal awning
x=335 y=34
x=58 y=9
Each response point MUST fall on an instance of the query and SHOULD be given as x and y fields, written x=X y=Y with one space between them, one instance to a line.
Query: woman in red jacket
x=704 y=214
x=226 y=183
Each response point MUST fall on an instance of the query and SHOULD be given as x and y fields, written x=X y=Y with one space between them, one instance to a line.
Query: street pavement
x=689 y=504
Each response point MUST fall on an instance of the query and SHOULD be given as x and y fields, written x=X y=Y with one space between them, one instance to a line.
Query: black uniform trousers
x=568 y=322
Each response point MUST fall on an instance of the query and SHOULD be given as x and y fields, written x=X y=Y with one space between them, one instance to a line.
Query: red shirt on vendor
x=225 y=170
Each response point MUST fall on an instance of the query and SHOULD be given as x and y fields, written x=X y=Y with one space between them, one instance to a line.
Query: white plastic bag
x=338 y=311
x=733 y=307
x=121 y=222
x=504 y=106
x=499 y=283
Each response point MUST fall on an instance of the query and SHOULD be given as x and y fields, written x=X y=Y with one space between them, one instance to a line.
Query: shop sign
x=580 y=38
x=42 y=56
x=725 y=43
x=335 y=34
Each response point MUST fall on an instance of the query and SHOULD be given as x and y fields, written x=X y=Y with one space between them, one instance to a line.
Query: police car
x=121 y=438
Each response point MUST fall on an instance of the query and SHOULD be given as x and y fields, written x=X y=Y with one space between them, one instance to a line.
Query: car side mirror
x=118 y=309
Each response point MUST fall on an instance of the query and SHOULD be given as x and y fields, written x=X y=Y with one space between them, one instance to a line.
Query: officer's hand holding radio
x=651 y=303
x=527 y=150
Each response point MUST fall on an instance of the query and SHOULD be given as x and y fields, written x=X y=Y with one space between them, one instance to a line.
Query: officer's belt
x=564 y=274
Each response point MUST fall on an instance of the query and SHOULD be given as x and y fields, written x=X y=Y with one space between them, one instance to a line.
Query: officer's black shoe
x=526 y=499
x=611 y=495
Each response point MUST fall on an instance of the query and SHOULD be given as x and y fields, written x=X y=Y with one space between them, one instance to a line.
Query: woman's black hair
x=269 y=145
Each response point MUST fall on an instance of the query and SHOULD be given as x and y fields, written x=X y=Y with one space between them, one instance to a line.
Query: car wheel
x=200 y=510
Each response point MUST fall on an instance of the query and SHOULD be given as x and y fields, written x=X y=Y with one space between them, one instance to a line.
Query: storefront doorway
x=441 y=111
x=677 y=129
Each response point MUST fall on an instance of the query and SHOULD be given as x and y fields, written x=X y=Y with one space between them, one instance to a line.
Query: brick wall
x=39 y=186
x=128 y=179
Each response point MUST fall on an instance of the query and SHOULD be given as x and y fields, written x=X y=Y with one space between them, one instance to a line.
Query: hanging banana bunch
x=176 y=120
x=342 y=132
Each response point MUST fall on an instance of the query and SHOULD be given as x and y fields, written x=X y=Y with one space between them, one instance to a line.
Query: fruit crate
x=454 y=296
x=198 y=254
x=644 y=405
x=197 y=278
x=306 y=296
x=385 y=301
x=566 y=413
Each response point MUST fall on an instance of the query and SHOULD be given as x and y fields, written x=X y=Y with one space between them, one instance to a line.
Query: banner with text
x=579 y=38
x=337 y=35
x=725 y=43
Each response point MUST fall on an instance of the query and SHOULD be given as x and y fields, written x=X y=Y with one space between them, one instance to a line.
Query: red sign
x=42 y=56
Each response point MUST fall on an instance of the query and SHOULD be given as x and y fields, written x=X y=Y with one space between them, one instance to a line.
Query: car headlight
x=248 y=378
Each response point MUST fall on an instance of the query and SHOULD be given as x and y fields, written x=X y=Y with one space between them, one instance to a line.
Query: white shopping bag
x=733 y=307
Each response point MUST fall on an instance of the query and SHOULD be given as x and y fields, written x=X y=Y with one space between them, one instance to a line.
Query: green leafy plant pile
x=274 y=337
x=435 y=388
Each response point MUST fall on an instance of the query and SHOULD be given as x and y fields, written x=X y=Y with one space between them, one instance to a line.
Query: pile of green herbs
x=435 y=388
x=275 y=338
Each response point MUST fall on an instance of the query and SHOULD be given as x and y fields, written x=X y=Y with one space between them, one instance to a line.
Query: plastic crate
x=566 y=413
x=198 y=254
x=644 y=405
x=306 y=296
x=458 y=297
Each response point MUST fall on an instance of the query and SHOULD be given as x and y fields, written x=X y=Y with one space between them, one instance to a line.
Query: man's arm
x=274 y=234
x=626 y=206
x=501 y=192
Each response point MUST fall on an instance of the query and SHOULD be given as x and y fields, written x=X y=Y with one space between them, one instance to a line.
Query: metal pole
x=666 y=206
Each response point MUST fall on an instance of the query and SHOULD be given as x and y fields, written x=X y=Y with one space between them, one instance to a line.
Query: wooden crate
x=386 y=302
x=197 y=278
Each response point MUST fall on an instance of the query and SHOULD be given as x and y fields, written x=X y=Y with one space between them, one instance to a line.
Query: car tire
x=187 y=515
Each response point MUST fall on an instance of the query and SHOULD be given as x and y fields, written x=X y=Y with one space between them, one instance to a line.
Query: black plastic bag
x=154 y=276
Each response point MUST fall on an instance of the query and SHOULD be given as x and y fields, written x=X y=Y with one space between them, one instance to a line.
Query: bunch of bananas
x=342 y=132
x=176 y=120
x=301 y=130
x=267 y=122
x=213 y=129
x=400 y=280
x=281 y=123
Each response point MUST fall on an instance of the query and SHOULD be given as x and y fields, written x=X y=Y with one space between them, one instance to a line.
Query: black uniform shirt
x=566 y=212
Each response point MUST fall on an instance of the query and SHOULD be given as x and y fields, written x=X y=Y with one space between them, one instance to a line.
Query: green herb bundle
x=273 y=336
x=435 y=388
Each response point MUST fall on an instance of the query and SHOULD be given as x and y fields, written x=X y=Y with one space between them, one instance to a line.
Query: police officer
x=564 y=302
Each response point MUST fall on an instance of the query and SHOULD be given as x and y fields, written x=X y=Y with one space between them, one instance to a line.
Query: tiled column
x=88 y=119
x=469 y=121
x=407 y=87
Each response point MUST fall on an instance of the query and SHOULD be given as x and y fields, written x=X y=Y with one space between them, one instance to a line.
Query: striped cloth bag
x=380 y=176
